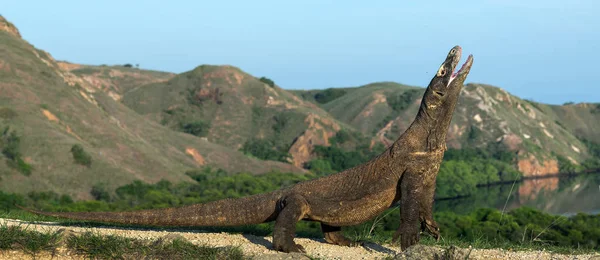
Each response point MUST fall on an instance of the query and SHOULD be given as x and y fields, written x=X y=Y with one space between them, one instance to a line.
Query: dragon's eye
x=452 y=51
x=442 y=72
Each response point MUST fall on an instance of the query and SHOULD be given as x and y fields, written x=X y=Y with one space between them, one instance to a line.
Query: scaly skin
x=405 y=172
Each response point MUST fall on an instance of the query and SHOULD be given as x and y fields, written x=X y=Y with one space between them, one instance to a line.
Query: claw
x=432 y=228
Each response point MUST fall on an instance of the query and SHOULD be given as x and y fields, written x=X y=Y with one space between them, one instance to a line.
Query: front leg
x=426 y=216
x=409 y=211
x=426 y=200
x=294 y=208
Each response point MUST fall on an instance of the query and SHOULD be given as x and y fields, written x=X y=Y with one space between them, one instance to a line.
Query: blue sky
x=545 y=50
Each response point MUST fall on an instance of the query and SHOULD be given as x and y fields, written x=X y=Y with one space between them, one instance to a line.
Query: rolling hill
x=485 y=116
x=225 y=105
x=45 y=110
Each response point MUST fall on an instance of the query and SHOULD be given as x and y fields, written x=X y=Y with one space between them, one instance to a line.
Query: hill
x=486 y=117
x=52 y=122
x=114 y=80
x=225 y=105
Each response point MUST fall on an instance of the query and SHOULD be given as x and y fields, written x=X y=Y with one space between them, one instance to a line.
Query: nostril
x=439 y=93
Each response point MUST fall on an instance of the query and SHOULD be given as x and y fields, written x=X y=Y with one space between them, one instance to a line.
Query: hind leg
x=333 y=235
x=294 y=209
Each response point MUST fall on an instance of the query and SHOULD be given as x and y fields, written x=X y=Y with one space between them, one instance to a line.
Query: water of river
x=558 y=195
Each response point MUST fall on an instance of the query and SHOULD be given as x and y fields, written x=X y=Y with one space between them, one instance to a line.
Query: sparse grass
x=489 y=244
x=31 y=242
x=97 y=246
x=111 y=247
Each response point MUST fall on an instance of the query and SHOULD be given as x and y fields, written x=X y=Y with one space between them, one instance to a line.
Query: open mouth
x=459 y=72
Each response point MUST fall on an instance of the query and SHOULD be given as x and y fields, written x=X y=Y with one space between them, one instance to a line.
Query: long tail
x=254 y=209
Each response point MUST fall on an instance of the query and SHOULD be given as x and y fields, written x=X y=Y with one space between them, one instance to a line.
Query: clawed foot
x=337 y=239
x=432 y=228
x=408 y=237
x=289 y=247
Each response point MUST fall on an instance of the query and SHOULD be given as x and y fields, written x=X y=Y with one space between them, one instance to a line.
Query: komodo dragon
x=405 y=172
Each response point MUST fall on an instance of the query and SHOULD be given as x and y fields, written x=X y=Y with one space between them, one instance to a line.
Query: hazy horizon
x=539 y=50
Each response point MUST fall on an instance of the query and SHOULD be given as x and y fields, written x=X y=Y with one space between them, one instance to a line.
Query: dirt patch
x=532 y=167
x=378 y=98
x=70 y=131
x=51 y=117
x=380 y=136
x=548 y=133
x=511 y=141
x=196 y=155
x=9 y=27
x=318 y=132
x=67 y=66
x=87 y=97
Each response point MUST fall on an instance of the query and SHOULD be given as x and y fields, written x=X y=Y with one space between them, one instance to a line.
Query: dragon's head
x=442 y=92
x=441 y=95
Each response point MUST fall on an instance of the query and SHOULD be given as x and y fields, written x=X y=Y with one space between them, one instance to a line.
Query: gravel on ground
x=260 y=247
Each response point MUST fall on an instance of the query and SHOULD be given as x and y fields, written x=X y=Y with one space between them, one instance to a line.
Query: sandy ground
x=260 y=247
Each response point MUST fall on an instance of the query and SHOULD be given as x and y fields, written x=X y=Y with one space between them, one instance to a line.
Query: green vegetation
x=7 y=113
x=31 y=242
x=267 y=81
x=10 y=143
x=338 y=157
x=265 y=150
x=461 y=172
x=465 y=169
x=328 y=95
x=522 y=227
x=402 y=101
x=96 y=246
x=115 y=247
x=591 y=163
x=197 y=128
x=81 y=156
x=596 y=110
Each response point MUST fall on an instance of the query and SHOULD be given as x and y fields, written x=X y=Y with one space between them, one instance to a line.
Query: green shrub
x=99 y=192
x=267 y=81
x=328 y=95
x=401 y=102
x=7 y=113
x=320 y=167
x=9 y=143
x=281 y=121
x=341 y=137
x=20 y=166
x=198 y=128
x=265 y=150
x=81 y=156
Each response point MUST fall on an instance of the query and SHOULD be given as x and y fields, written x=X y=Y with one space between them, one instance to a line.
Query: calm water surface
x=558 y=195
